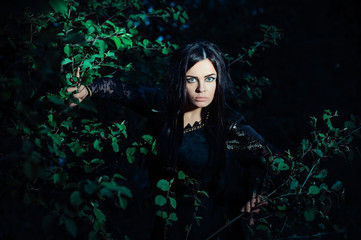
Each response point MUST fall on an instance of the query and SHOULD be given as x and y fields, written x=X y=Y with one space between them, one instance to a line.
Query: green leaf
x=263 y=227
x=173 y=217
x=86 y=64
x=162 y=214
x=90 y=187
x=66 y=61
x=321 y=175
x=337 y=186
x=117 y=42
x=125 y=191
x=283 y=166
x=102 y=46
x=305 y=144
x=314 y=190
x=104 y=192
x=127 y=41
x=130 y=154
x=97 y=161
x=117 y=175
x=147 y=138
x=185 y=15
x=160 y=200
x=163 y=185
x=282 y=207
x=59 y=6
x=56 y=178
x=67 y=50
x=204 y=193
x=123 y=202
x=166 y=51
x=181 y=175
x=97 y=146
x=75 y=199
x=99 y=215
x=350 y=125
x=173 y=202
x=318 y=152
x=310 y=214
x=154 y=147
x=294 y=184
x=115 y=144
x=144 y=150
x=70 y=226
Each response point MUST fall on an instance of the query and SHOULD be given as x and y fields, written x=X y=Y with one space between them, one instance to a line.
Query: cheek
x=213 y=90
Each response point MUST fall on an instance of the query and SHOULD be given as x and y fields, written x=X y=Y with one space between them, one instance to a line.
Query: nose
x=201 y=87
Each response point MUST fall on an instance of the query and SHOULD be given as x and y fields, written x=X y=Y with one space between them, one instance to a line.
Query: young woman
x=199 y=132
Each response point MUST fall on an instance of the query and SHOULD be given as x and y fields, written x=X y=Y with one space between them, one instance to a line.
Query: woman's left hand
x=253 y=207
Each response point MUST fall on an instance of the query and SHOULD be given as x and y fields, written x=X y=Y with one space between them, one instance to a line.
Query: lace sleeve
x=141 y=99
x=250 y=149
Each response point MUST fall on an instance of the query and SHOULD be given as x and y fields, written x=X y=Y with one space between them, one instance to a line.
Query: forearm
x=140 y=99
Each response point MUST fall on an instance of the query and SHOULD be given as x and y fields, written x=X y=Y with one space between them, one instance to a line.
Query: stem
x=222 y=228
x=309 y=174
x=240 y=57
x=357 y=129
x=284 y=224
x=276 y=189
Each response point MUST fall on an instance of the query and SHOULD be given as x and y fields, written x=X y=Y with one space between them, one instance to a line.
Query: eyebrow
x=212 y=74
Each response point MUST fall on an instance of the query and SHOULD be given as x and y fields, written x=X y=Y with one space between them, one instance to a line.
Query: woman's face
x=201 y=84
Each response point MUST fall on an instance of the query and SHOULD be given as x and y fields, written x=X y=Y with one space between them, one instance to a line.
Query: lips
x=201 y=99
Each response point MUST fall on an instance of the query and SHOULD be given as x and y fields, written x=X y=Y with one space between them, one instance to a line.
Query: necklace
x=197 y=126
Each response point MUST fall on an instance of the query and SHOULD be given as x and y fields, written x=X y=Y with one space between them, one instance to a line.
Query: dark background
x=316 y=66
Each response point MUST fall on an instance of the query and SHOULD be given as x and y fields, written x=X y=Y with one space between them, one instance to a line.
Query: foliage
x=251 y=86
x=61 y=168
x=65 y=163
x=299 y=195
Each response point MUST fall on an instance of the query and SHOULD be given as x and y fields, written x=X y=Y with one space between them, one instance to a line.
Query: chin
x=202 y=105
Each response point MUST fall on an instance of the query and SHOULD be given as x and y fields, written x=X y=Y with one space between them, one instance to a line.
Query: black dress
x=224 y=188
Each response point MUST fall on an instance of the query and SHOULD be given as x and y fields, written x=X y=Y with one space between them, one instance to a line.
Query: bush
x=68 y=172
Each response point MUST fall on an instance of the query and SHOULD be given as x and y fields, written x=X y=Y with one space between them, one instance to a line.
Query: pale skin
x=201 y=84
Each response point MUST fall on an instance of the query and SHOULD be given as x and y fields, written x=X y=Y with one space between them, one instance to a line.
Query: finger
x=77 y=74
x=259 y=198
x=251 y=221
x=256 y=211
x=264 y=203
x=248 y=207
x=73 y=104
x=71 y=89
x=242 y=209
x=253 y=202
x=81 y=93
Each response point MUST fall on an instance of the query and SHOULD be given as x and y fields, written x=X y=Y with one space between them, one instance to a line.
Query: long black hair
x=180 y=63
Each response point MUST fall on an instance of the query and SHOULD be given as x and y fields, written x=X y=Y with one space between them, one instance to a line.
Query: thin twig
x=240 y=57
x=284 y=224
x=357 y=129
x=222 y=228
x=309 y=174
x=276 y=189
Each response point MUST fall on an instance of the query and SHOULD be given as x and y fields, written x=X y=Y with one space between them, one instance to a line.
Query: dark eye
x=191 y=80
x=210 y=79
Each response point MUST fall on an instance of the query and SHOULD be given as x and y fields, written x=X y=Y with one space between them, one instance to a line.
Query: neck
x=192 y=116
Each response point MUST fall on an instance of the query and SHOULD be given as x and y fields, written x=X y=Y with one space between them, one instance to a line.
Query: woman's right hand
x=79 y=92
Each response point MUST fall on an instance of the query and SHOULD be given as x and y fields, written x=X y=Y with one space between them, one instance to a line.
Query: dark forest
x=64 y=171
